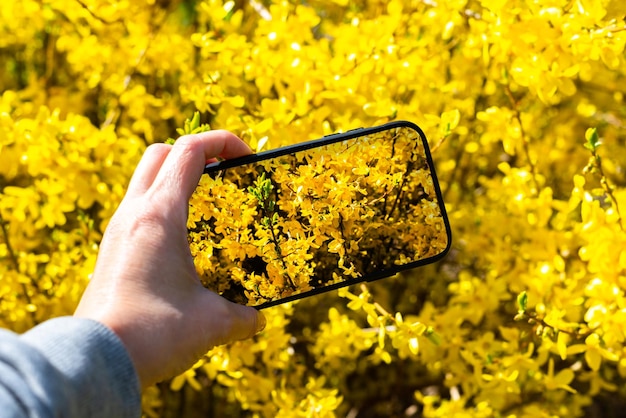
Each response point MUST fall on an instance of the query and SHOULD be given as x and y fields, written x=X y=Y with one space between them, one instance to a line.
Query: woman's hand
x=145 y=287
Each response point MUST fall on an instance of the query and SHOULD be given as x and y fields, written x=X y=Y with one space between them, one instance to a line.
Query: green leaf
x=193 y=126
x=522 y=302
x=195 y=121
x=267 y=188
x=593 y=140
x=433 y=336
x=504 y=74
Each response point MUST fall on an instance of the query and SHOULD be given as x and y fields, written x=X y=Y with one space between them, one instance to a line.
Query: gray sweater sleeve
x=67 y=367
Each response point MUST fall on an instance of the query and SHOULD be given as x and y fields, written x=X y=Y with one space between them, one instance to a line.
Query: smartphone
x=300 y=220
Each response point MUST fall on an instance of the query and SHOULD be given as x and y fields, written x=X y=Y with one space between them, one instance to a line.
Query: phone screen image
x=293 y=222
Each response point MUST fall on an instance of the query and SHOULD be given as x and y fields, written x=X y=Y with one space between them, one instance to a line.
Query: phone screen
x=305 y=219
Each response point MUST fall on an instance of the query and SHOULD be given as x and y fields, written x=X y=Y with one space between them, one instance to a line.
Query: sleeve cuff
x=94 y=361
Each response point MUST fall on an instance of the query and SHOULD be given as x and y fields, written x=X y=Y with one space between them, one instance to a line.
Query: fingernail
x=260 y=322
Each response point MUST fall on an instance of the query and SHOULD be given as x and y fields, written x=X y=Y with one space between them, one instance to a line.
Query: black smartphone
x=296 y=221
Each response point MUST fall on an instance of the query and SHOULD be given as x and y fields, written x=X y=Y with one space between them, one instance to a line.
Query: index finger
x=183 y=166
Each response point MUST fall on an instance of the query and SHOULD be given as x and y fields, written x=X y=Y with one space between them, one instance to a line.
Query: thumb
x=236 y=322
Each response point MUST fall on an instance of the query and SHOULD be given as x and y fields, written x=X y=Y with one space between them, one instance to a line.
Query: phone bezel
x=331 y=139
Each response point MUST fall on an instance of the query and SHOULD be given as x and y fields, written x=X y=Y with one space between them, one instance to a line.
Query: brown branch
x=439 y=143
x=95 y=16
x=534 y=319
x=525 y=141
x=608 y=189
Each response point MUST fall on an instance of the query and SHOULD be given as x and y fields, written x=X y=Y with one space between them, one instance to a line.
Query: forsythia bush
x=523 y=104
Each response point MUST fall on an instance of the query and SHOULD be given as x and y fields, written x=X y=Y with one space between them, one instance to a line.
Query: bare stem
x=95 y=16
x=606 y=186
x=525 y=141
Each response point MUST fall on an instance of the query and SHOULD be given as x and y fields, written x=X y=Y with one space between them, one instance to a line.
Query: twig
x=438 y=143
x=95 y=16
x=608 y=189
x=518 y=117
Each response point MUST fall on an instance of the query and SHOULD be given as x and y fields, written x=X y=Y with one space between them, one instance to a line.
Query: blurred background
x=522 y=102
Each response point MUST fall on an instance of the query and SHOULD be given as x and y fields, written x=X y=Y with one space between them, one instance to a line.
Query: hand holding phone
x=296 y=221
